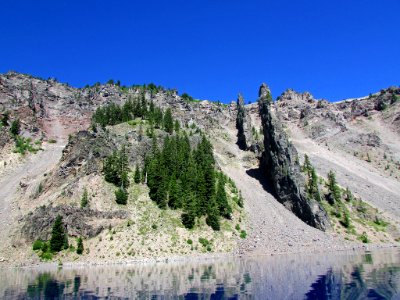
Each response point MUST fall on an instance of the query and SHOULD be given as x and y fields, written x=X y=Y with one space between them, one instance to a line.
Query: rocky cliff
x=280 y=163
x=243 y=124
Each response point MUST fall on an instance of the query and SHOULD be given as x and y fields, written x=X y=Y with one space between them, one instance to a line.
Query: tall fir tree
x=59 y=238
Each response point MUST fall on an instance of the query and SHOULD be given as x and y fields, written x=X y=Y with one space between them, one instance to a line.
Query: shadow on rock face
x=258 y=174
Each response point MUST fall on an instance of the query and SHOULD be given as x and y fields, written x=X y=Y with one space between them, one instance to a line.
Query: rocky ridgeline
x=40 y=103
x=281 y=166
x=323 y=119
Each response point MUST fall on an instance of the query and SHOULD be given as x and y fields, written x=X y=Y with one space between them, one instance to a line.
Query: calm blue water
x=374 y=275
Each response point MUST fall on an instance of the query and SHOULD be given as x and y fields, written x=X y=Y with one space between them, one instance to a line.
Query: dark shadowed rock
x=78 y=221
x=243 y=125
x=281 y=166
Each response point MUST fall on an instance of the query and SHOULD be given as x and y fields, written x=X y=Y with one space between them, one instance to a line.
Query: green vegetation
x=22 y=145
x=4 y=120
x=243 y=234
x=364 y=238
x=187 y=98
x=312 y=183
x=79 y=248
x=116 y=170
x=85 y=198
x=334 y=190
x=52 y=141
x=137 y=176
x=15 y=127
x=37 y=245
x=183 y=178
x=59 y=238
x=204 y=242
x=121 y=196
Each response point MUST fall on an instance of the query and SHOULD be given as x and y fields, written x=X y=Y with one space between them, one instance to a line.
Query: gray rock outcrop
x=78 y=221
x=280 y=164
x=243 y=125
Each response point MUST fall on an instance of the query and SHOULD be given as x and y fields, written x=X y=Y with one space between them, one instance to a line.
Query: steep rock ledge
x=280 y=164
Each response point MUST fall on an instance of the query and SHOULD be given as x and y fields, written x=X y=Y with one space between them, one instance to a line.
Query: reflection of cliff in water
x=323 y=276
x=363 y=281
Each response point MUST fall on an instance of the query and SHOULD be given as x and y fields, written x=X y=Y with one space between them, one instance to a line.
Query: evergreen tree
x=6 y=117
x=312 y=186
x=212 y=219
x=189 y=216
x=15 y=127
x=116 y=169
x=349 y=195
x=59 y=238
x=306 y=168
x=84 y=199
x=334 y=190
x=79 y=248
x=158 y=117
x=177 y=126
x=137 y=174
x=168 y=121
x=224 y=208
x=121 y=196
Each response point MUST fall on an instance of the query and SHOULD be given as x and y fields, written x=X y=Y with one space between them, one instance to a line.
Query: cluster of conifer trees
x=139 y=107
x=116 y=170
x=184 y=178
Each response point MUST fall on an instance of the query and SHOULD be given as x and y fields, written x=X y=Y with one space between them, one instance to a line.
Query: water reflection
x=334 y=276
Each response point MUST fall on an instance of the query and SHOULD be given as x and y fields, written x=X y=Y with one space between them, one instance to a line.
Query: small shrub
x=46 y=256
x=204 y=242
x=154 y=226
x=85 y=199
x=15 y=127
x=364 y=238
x=188 y=220
x=52 y=141
x=189 y=241
x=121 y=196
x=237 y=227
x=243 y=234
x=209 y=248
x=79 y=249
x=37 y=245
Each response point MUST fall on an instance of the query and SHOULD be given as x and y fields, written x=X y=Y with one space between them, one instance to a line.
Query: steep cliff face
x=243 y=125
x=281 y=166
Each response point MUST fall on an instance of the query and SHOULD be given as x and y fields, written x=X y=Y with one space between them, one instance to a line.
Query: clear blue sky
x=209 y=49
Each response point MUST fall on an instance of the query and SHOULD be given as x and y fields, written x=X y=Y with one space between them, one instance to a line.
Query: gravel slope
x=271 y=227
x=360 y=176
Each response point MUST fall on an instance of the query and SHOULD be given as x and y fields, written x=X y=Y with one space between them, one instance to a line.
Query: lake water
x=350 y=275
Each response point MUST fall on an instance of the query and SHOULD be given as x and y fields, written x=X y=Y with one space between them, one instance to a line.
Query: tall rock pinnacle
x=243 y=125
x=280 y=164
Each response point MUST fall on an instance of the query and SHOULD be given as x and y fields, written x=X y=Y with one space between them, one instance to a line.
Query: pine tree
x=334 y=189
x=177 y=126
x=137 y=174
x=168 y=121
x=189 y=216
x=15 y=127
x=212 y=219
x=312 y=186
x=6 y=117
x=85 y=199
x=306 y=168
x=349 y=195
x=79 y=248
x=224 y=208
x=121 y=196
x=59 y=238
x=116 y=168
